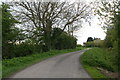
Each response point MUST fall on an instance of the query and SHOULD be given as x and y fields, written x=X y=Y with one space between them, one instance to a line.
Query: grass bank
x=97 y=57
x=0 y=69
x=10 y=66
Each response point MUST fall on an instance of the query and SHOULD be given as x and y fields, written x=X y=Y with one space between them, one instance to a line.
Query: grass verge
x=10 y=66
x=93 y=72
x=97 y=57
x=0 y=69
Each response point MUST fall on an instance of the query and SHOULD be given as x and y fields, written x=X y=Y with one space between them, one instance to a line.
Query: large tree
x=42 y=17
x=9 y=32
x=109 y=12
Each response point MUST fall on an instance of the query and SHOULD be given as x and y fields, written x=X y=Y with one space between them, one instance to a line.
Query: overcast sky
x=93 y=30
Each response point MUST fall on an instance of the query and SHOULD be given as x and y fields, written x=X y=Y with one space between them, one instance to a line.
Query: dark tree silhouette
x=89 y=39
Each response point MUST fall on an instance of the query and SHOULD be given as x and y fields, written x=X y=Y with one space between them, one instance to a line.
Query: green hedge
x=19 y=50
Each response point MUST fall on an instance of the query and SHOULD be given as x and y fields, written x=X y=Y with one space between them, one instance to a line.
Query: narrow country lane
x=61 y=66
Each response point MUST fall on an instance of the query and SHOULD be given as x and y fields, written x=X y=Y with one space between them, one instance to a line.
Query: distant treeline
x=96 y=42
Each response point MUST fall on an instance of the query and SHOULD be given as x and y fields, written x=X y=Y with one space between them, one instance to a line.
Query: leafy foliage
x=8 y=23
x=65 y=41
x=112 y=22
x=8 y=32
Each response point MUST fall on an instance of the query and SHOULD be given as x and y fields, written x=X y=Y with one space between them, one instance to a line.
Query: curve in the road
x=61 y=66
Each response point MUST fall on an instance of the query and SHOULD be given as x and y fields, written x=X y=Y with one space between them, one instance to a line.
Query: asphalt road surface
x=61 y=66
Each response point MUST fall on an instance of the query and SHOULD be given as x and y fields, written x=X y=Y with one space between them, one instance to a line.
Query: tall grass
x=98 y=57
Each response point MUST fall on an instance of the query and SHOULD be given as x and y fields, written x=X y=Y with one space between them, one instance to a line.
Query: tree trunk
x=47 y=34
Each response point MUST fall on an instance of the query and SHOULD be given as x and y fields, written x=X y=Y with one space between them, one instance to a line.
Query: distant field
x=10 y=66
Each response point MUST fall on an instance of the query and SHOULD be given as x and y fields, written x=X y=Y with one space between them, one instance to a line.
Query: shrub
x=65 y=41
x=79 y=45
